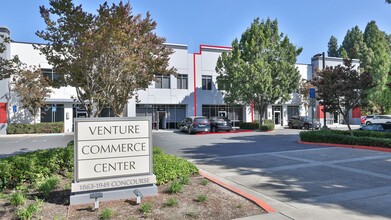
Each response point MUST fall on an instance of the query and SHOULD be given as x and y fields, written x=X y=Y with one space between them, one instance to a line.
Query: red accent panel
x=319 y=109
x=3 y=112
x=356 y=113
x=195 y=70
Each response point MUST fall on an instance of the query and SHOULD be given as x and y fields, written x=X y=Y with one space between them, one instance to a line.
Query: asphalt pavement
x=299 y=181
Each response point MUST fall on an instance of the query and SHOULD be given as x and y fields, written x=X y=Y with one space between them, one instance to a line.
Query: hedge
x=359 y=133
x=337 y=137
x=50 y=127
x=268 y=125
x=31 y=167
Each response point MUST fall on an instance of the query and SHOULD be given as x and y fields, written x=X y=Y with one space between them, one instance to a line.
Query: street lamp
x=323 y=67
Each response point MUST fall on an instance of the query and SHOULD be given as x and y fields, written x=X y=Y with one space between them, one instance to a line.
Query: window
x=162 y=81
x=52 y=113
x=206 y=82
x=182 y=82
x=52 y=76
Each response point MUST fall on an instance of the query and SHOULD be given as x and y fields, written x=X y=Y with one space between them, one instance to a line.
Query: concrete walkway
x=317 y=183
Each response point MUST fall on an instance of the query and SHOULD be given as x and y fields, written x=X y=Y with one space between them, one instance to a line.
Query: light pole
x=323 y=67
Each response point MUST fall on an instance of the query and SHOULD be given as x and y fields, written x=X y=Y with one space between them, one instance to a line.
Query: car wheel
x=368 y=123
x=213 y=129
x=290 y=125
x=306 y=126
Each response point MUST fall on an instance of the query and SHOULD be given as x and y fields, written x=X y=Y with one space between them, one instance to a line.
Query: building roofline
x=5 y=29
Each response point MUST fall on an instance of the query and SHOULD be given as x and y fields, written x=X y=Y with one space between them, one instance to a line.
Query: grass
x=48 y=185
x=204 y=182
x=106 y=214
x=17 y=198
x=146 y=208
x=171 y=202
x=201 y=198
x=184 y=180
x=175 y=187
x=28 y=213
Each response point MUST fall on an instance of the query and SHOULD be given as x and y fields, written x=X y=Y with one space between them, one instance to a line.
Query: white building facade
x=193 y=91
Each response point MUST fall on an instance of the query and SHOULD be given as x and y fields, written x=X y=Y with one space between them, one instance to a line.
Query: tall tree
x=333 y=47
x=379 y=66
x=129 y=53
x=260 y=68
x=354 y=47
x=32 y=89
x=70 y=50
x=342 y=86
x=106 y=56
x=7 y=66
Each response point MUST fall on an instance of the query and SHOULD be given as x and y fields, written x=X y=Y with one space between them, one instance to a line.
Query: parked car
x=362 y=119
x=380 y=127
x=377 y=119
x=220 y=124
x=195 y=124
x=302 y=122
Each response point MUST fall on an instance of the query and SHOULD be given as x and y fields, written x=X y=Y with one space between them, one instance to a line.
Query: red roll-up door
x=3 y=112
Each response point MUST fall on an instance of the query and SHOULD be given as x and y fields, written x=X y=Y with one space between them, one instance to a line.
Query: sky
x=308 y=23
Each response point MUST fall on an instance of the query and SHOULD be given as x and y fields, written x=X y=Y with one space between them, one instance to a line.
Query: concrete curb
x=257 y=201
x=347 y=146
x=231 y=132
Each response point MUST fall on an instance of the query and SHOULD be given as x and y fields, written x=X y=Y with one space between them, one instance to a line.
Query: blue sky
x=308 y=23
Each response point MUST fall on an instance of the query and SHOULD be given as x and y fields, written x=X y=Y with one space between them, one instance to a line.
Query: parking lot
x=300 y=181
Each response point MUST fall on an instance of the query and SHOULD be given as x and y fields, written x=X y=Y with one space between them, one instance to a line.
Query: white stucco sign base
x=113 y=159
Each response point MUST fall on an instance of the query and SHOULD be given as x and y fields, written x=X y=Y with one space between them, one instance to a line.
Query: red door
x=3 y=112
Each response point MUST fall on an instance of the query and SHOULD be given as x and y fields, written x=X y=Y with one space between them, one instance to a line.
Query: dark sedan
x=379 y=127
x=195 y=124
x=220 y=124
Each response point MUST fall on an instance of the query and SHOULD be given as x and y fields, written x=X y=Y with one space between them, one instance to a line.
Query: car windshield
x=306 y=118
x=201 y=120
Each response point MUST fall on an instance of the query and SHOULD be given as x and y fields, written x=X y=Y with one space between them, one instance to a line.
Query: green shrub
x=17 y=198
x=28 y=213
x=106 y=214
x=50 y=127
x=146 y=208
x=171 y=202
x=344 y=138
x=175 y=187
x=168 y=167
x=48 y=185
x=254 y=126
x=33 y=166
x=201 y=198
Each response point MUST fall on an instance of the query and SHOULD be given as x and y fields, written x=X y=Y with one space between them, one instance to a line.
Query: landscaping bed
x=361 y=138
x=42 y=191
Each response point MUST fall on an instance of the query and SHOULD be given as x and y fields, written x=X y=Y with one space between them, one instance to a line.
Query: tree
x=379 y=67
x=342 y=86
x=388 y=1
x=107 y=56
x=32 y=88
x=260 y=68
x=333 y=47
x=129 y=54
x=354 y=47
x=7 y=66
x=70 y=51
